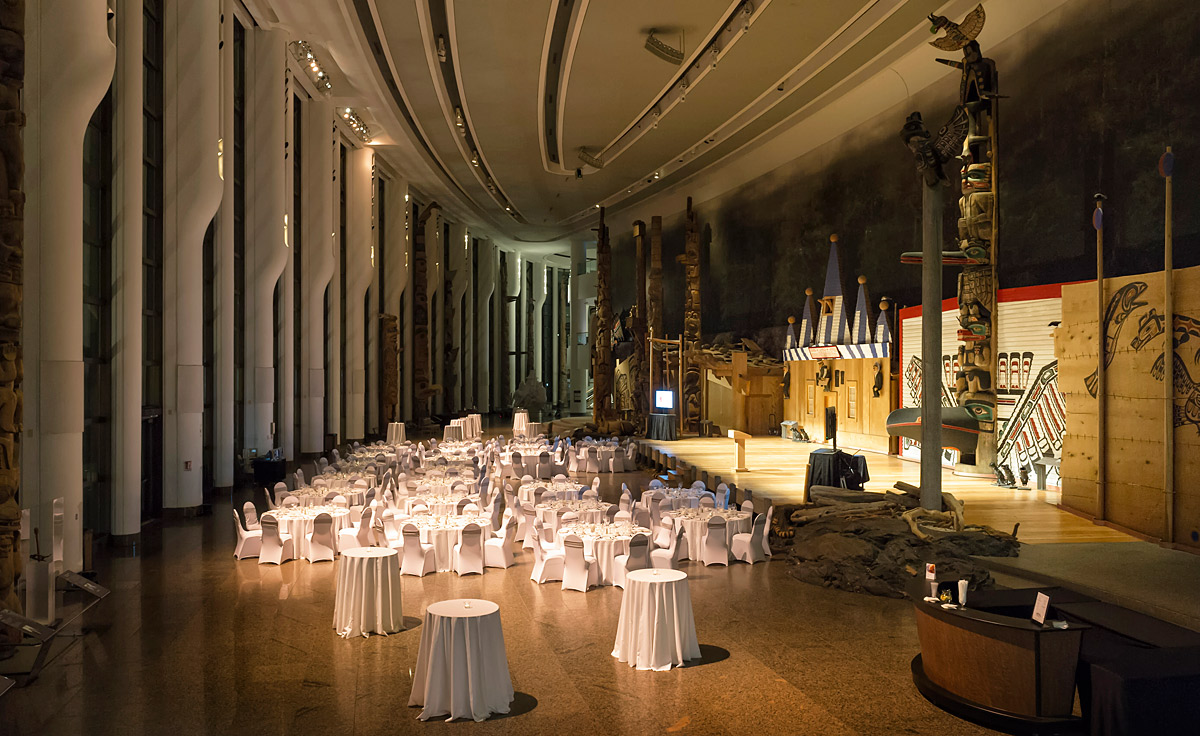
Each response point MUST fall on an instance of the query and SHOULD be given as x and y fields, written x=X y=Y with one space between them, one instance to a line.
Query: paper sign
x=930 y=571
x=1039 y=608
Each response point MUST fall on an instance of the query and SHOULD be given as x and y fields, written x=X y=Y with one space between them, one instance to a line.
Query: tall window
x=295 y=233
x=239 y=238
x=152 y=262
x=97 y=318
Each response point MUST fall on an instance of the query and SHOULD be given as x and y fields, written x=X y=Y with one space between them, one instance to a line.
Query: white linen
x=589 y=512
x=656 y=630
x=462 y=668
x=298 y=522
x=603 y=542
x=520 y=423
x=443 y=532
x=563 y=489
x=695 y=526
x=367 y=598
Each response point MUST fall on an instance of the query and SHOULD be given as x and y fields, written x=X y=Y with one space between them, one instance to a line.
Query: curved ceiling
x=503 y=96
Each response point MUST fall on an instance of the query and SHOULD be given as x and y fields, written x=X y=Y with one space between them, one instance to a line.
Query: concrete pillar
x=317 y=265
x=358 y=279
x=406 y=319
x=61 y=92
x=538 y=296
x=333 y=338
x=223 y=371
x=396 y=259
x=484 y=288
x=511 y=302
x=459 y=271
x=191 y=194
x=552 y=292
x=437 y=317
x=128 y=132
x=267 y=256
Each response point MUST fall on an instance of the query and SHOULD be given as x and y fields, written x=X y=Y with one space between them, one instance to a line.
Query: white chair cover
x=277 y=548
x=468 y=553
x=748 y=547
x=716 y=549
x=249 y=544
x=579 y=571
x=418 y=558
x=637 y=559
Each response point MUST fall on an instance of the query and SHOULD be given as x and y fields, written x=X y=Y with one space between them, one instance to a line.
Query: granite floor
x=193 y=642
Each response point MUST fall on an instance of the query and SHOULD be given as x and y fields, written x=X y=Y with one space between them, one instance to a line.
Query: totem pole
x=389 y=375
x=691 y=319
x=603 y=368
x=422 y=367
x=641 y=373
x=654 y=295
x=977 y=229
x=450 y=356
x=12 y=212
x=505 y=329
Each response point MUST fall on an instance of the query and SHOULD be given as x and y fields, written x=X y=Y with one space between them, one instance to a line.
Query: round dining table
x=695 y=526
x=297 y=521
x=603 y=542
x=462 y=667
x=656 y=629
x=443 y=532
x=367 y=594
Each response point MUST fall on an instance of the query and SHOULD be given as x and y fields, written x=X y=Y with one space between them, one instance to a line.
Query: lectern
x=739 y=440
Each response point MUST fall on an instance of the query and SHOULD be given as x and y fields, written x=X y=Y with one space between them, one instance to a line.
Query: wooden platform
x=777 y=468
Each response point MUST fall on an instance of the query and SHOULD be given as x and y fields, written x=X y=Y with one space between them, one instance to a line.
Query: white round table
x=656 y=630
x=605 y=545
x=520 y=422
x=298 y=522
x=367 y=598
x=445 y=532
x=462 y=668
x=696 y=526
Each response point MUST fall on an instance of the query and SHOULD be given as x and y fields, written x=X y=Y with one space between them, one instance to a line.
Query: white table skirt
x=695 y=529
x=443 y=541
x=605 y=550
x=462 y=668
x=520 y=423
x=656 y=630
x=586 y=516
x=367 y=600
x=299 y=529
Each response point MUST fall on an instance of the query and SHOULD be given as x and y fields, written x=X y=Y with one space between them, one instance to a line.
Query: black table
x=828 y=467
x=268 y=472
x=663 y=427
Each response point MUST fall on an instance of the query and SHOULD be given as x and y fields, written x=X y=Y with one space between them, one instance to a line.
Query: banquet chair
x=330 y=496
x=337 y=458
x=748 y=505
x=469 y=509
x=277 y=548
x=593 y=460
x=290 y=500
x=562 y=519
x=419 y=509
x=321 y=544
x=387 y=531
x=539 y=495
x=618 y=462
x=626 y=502
x=498 y=551
x=669 y=557
x=544 y=468
x=591 y=494
x=573 y=459
x=547 y=565
x=580 y=572
x=747 y=547
x=637 y=559
x=251 y=515
x=707 y=501
x=418 y=558
x=460 y=507
x=270 y=501
x=721 y=499
x=319 y=482
x=610 y=514
x=530 y=539
x=623 y=516
x=249 y=543
x=559 y=477
x=641 y=517
x=299 y=477
x=468 y=553
x=699 y=486
x=766 y=537
x=340 y=501
x=715 y=546
x=281 y=490
x=658 y=507
x=497 y=514
x=545 y=534
x=356 y=536
x=656 y=483
x=369 y=496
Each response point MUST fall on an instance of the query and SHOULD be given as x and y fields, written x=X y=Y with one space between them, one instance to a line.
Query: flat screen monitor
x=664 y=399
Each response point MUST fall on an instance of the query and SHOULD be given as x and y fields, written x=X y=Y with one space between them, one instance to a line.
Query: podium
x=739 y=439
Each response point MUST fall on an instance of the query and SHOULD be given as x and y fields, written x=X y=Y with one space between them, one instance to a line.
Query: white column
x=579 y=327
x=406 y=319
x=61 y=92
x=555 y=317
x=223 y=449
x=320 y=257
x=128 y=132
x=358 y=279
x=484 y=288
x=396 y=264
x=371 y=318
x=266 y=254
x=191 y=194
x=437 y=317
x=535 y=325
x=285 y=433
x=457 y=270
x=333 y=376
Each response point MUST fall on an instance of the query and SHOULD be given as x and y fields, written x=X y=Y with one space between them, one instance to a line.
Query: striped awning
x=827 y=352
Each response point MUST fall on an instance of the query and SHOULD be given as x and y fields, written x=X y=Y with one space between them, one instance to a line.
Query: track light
x=441 y=49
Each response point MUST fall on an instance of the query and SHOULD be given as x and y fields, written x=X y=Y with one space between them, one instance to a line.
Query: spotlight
x=578 y=173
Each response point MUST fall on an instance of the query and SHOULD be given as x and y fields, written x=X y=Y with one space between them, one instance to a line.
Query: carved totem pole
x=641 y=369
x=654 y=290
x=977 y=229
x=603 y=367
x=12 y=212
x=450 y=356
x=691 y=318
x=422 y=367
x=389 y=375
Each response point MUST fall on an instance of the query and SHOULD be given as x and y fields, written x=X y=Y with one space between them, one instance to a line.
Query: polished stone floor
x=193 y=642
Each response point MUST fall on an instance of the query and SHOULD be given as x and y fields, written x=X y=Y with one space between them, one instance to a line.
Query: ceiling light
x=656 y=175
x=662 y=50
x=459 y=122
x=474 y=157
x=303 y=54
x=441 y=49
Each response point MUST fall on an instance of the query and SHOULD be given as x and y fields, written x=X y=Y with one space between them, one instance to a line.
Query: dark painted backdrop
x=1095 y=92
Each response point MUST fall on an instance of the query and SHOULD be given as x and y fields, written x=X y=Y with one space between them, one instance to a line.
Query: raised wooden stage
x=777 y=468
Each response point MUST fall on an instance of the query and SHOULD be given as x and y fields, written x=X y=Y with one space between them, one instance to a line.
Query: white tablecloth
x=588 y=512
x=565 y=490
x=443 y=538
x=462 y=668
x=368 y=593
x=694 y=529
x=656 y=630
x=603 y=547
x=520 y=423
x=298 y=522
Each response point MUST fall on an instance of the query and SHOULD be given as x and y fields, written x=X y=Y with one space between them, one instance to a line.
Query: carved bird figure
x=957 y=35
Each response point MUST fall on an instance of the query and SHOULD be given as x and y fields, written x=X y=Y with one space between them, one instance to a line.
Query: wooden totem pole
x=603 y=367
x=691 y=319
x=12 y=212
x=641 y=372
x=450 y=354
x=422 y=367
x=389 y=374
x=654 y=295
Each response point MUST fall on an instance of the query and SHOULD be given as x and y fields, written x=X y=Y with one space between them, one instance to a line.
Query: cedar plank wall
x=1134 y=468
x=867 y=430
